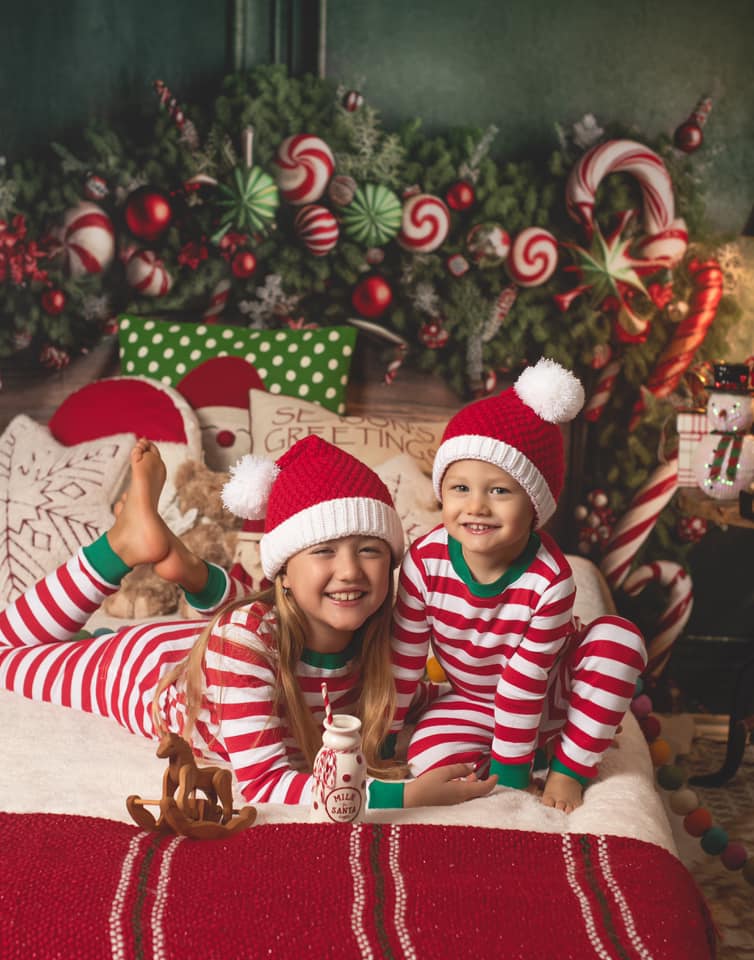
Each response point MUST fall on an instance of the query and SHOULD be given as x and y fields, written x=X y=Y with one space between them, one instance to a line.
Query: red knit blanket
x=78 y=888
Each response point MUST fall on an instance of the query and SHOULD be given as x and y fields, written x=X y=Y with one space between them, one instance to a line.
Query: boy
x=495 y=599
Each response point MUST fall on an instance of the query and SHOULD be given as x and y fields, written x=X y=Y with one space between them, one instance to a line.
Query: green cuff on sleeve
x=514 y=775
x=214 y=590
x=105 y=560
x=386 y=794
x=560 y=767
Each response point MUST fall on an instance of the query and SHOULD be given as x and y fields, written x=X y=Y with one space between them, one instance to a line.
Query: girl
x=495 y=599
x=245 y=686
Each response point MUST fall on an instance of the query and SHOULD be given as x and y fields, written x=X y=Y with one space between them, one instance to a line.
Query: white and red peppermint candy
x=146 y=273
x=305 y=164
x=425 y=223
x=533 y=257
x=433 y=334
x=318 y=229
x=88 y=239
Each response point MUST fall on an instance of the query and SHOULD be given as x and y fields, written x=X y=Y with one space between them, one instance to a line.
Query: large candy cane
x=707 y=281
x=622 y=156
x=675 y=615
x=637 y=522
x=596 y=404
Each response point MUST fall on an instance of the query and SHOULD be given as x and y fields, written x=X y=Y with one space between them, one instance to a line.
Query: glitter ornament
x=691 y=529
x=457 y=265
x=147 y=214
x=373 y=217
x=372 y=296
x=489 y=244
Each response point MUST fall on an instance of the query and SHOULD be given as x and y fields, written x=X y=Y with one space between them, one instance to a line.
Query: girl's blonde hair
x=377 y=695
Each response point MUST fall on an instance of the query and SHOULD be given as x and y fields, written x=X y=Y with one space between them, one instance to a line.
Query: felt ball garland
x=683 y=801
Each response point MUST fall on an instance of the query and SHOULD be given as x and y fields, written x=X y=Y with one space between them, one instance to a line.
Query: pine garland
x=514 y=193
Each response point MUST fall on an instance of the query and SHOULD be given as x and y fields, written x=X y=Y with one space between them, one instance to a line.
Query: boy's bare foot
x=562 y=792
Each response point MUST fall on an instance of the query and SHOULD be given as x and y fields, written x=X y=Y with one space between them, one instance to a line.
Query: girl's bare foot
x=140 y=535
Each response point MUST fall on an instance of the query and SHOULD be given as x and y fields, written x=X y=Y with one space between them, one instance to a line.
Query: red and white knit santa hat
x=314 y=492
x=518 y=432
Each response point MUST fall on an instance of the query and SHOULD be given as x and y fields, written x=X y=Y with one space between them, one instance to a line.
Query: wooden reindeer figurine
x=181 y=811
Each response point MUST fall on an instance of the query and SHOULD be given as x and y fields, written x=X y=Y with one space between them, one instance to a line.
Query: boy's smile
x=488 y=513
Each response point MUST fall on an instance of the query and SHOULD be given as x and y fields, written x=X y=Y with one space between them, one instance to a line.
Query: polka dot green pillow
x=310 y=364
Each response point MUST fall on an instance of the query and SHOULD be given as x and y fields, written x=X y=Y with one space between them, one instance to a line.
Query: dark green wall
x=524 y=65
x=62 y=63
x=527 y=64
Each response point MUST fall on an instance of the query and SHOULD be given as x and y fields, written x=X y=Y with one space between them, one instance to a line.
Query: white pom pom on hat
x=551 y=391
x=247 y=492
x=518 y=431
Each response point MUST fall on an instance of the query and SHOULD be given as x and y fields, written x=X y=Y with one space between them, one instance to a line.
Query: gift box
x=691 y=426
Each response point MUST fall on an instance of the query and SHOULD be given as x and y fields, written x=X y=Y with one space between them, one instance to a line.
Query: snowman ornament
x=723 y=462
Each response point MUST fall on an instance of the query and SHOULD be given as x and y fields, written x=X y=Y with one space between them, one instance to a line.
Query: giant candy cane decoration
x=707 y=281
x=676 y=613
x=637 y=522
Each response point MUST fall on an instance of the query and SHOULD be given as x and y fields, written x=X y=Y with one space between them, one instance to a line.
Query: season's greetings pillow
x=53 y=499
x=278 y=422
x=308 y=364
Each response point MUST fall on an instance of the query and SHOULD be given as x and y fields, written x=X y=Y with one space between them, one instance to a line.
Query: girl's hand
x=444 y=786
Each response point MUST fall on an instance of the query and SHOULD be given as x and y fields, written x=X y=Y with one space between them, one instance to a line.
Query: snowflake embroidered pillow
x=309 y=364
x=53 y=499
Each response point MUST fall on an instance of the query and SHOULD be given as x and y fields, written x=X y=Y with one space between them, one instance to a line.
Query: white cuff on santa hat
x=502 y=455
x=331 y=520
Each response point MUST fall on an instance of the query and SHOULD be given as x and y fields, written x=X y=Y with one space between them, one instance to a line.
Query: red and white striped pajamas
x=522 y=669
x=115 y=675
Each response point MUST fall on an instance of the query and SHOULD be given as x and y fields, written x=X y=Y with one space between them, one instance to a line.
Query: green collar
x=332 y=661
x=522 y=563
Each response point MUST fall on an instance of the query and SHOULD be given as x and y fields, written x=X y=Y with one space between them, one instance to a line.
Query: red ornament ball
x=460 y=196
x=353 y=100
x=688 y=137
x=244 y=263
x=53 y=302
x=433 y=335
x=372 y=296
x=147 y=213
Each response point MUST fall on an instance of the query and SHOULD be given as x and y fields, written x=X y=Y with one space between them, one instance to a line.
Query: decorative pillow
x=134 y=405
x=53 y=499
x=412 y=494
x=309 y=364
x=278 y=422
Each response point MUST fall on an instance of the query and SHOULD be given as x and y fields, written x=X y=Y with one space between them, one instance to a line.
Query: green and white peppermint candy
x=373 y=216
x=249 y=202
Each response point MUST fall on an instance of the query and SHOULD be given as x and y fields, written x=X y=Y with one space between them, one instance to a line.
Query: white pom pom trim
x=247 y=491
x=551 y=391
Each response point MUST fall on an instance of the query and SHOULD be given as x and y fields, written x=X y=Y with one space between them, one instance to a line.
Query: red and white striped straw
x=326 y=701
